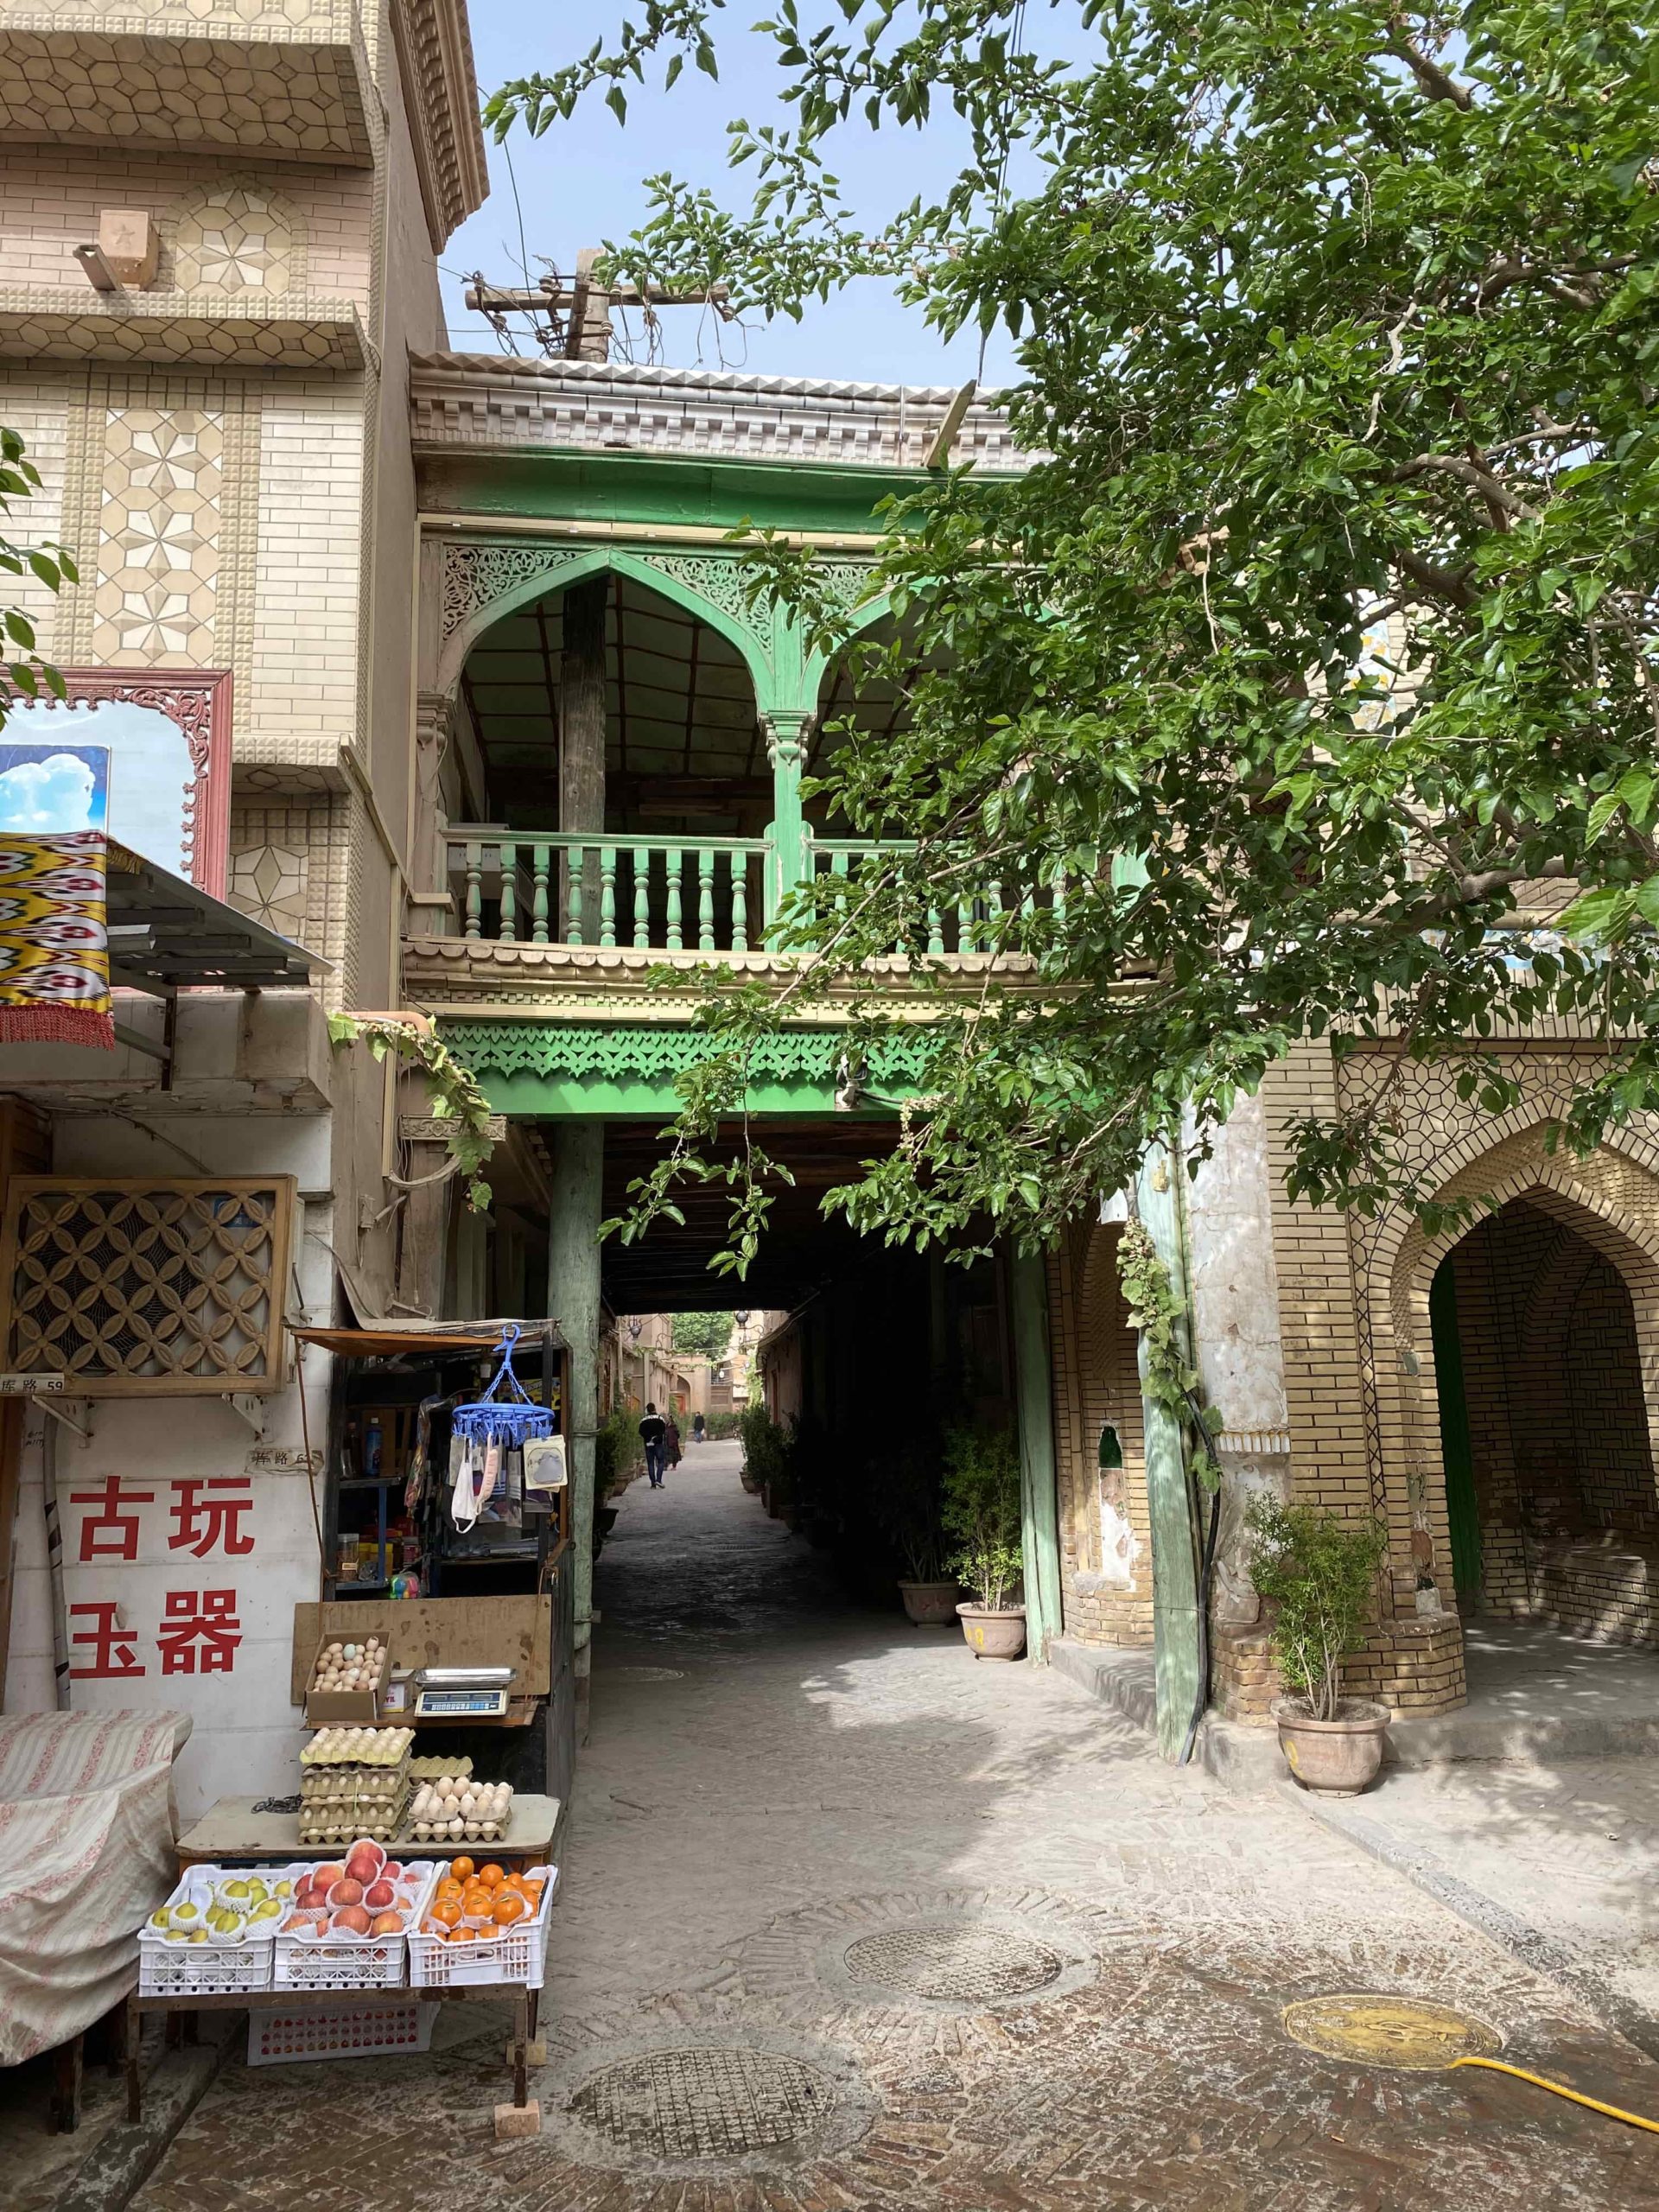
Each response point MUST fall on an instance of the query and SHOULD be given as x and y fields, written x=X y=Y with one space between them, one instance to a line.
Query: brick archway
x=1610 y=1200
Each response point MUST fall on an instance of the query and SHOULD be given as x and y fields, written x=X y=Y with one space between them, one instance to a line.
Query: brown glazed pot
x=1336 y=1758
x=994 y=1635
x=930 y=1604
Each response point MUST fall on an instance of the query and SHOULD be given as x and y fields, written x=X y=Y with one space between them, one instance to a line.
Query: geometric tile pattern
x=207 y=326
x=271 y=883
x=156 y=589
x=236 y=242
x=292 y=91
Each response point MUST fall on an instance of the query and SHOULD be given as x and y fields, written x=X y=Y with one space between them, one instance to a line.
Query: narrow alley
x=850 y=1920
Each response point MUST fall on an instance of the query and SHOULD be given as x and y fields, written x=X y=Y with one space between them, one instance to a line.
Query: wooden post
x=1039 y=1508
x=582 y=732
x=576 y=1208
x=1169 y=1495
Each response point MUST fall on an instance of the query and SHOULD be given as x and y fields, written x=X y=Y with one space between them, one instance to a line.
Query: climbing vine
x=1169 y=1380
x=453 y=1091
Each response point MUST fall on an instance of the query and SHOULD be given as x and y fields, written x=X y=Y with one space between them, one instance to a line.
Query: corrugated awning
x=393 y=1339
x=166 y=935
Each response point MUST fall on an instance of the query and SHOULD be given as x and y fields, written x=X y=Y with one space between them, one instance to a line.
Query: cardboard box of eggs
x=347 y=1679
x=452 y=1806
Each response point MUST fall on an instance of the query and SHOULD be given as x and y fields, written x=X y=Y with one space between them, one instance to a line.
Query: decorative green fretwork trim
x=567 y=1049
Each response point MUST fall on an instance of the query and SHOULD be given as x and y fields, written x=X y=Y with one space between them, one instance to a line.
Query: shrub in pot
x=979 y=1509
x=908 y=1513
x=1319 y=1571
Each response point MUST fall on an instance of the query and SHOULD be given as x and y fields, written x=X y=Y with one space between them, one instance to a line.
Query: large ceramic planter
x=1336 y=1758
x=994 y=1635
x=930 y=1604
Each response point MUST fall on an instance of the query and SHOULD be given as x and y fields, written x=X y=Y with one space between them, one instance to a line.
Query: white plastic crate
x=352 y=1961
x=215 y=1969
x=279 y=2038
x=517 y=1954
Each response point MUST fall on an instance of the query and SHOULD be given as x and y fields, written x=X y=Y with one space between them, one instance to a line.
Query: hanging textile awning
x=427 y=1339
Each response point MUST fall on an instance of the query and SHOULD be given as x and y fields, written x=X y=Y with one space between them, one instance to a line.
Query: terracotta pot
x=999 y=1634
x=929 y=1604
x=1337 y=1758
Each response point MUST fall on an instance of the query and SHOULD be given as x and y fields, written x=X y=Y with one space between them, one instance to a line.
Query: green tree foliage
x=23 y=672
x=1319 y=1571
x=710 y=1334
x=1332 y=603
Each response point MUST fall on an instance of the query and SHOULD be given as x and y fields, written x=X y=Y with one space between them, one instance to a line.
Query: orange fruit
x=449 y=1885
x=448 y=1911
x=509 y=1907
x=491 y=1875
x=460 y=1868
x=464 y=1935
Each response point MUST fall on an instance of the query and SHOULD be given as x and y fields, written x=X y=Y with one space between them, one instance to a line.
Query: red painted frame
x=199 y=701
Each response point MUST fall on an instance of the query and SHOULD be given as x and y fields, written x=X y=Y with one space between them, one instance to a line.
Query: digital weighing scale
x=462 y=1693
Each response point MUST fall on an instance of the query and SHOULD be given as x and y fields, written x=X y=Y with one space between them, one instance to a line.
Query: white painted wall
x=246 y=1736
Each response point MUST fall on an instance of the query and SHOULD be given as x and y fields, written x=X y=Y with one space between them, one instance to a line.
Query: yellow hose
x=1557 y=2089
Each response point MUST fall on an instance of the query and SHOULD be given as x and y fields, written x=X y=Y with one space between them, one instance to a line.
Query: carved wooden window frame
x=199 y=701
x=280 y=1190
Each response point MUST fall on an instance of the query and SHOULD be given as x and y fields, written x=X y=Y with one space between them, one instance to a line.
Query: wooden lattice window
x=140 y=1288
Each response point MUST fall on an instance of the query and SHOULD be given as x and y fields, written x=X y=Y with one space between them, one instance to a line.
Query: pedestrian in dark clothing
x=697 y=1426
x=652 y=1429
x=672 y=1454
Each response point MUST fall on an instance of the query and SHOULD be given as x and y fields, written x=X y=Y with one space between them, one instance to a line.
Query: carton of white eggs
x=455 y=1808
x=345 y=1667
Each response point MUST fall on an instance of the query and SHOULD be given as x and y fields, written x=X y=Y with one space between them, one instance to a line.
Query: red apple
x=323 y=1878
x=364 y=1861
x=392 y=1871
x=378 y=1895
x=387 y=1924
x=345 y=1892
x=354 y=1920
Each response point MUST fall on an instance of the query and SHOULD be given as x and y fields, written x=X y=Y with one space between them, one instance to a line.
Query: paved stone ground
x=1572 y=1849
x=774 y=1781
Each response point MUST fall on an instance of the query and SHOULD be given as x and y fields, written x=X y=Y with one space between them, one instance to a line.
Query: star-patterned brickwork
x=239 y=241
x=271 y=883
x=157 y=592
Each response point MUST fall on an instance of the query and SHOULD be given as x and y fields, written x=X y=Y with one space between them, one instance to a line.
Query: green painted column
x=1169 y=1497
x=575 y=1210
x=787 y=731
x=1040 y=1507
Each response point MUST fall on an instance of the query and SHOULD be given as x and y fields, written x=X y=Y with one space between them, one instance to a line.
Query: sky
x=581 y=183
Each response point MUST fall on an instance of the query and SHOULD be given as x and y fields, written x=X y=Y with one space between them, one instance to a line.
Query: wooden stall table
x=182 y=2007
x=230 y=1832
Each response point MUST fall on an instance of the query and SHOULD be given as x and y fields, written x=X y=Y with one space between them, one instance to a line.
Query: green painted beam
x=624 y=488
x=1039 y=1506
x=527 y=1096
x=1169 y=1492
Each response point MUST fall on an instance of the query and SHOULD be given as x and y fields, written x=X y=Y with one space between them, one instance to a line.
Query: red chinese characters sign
x=196 y=1629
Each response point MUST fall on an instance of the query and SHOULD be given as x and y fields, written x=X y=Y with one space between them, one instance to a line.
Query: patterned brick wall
x=1105 y=1536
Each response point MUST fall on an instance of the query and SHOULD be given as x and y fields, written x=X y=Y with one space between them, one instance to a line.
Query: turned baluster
x=607 y=894
x=538 y=874
x=475 y=907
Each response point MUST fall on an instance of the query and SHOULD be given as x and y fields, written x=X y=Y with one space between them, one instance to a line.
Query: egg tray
x=343 y=1819
x=430 y=1768
x=369 y=1784
x=472 y=1832
x=352 y=1756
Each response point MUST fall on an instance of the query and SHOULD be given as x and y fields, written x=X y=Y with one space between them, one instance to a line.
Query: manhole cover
x=1390 y=2031
x=968 y=1965
x=704 y=2104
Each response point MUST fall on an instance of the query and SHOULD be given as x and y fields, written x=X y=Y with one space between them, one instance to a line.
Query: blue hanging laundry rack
x=508 y=1421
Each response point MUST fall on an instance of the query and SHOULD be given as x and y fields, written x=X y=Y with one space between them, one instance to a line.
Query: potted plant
x=980 y=1511
x=908 y=1507
x=1319 y=1571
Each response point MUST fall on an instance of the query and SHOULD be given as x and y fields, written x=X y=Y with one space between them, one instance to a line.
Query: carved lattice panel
x=147 y=1288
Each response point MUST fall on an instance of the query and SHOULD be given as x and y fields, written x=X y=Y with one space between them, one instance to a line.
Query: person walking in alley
x=652 y=1429
x=672 y=1453
x=696 y=1429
